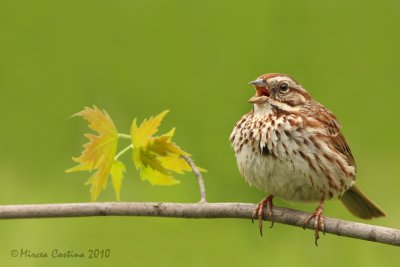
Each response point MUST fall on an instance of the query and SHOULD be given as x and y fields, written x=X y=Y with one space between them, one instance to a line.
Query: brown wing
x=328 y=119
x=341 y=145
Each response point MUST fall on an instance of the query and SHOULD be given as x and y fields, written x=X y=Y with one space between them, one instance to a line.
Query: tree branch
x=198 y=210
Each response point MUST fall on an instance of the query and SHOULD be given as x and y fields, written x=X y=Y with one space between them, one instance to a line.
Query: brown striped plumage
x=291 y=146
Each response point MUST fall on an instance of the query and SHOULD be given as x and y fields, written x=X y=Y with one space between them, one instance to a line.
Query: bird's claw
x=318 y=214
x=259 y=212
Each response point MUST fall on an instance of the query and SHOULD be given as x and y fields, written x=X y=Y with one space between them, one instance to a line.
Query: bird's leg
x=318 y=214
x=259 y=212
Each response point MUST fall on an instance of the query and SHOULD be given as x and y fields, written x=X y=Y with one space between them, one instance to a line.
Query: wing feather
x=335 y=137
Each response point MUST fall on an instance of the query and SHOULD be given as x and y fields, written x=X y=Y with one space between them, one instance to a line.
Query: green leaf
x=117 y=174
x=156 y=157
x=99 y=152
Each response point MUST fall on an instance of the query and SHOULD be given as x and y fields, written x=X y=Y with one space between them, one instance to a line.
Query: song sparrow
x=291 y=146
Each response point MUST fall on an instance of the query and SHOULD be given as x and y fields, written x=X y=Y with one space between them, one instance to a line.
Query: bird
x=290 y=146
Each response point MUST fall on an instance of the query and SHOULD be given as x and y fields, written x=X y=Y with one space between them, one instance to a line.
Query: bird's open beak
x=258 y=83
x=258 y=99
x=262 y=93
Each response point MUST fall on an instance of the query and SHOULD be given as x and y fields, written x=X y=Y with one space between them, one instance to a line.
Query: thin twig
x=199 y=210
x=199 y=178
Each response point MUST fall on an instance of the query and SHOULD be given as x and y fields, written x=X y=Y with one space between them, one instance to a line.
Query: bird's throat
x=262 y=110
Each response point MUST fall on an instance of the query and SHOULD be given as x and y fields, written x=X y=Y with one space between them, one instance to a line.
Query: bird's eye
x=284 y=87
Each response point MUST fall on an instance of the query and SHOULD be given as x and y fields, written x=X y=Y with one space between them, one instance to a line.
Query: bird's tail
x=359 y=205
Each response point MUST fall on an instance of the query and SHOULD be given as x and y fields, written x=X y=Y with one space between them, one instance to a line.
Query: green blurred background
x=137 y=58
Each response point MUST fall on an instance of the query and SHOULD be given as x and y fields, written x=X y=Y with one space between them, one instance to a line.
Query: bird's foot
x=318 y=214
x=259 y=212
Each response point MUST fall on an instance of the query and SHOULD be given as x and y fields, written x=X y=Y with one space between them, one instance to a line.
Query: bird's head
x=279 y=90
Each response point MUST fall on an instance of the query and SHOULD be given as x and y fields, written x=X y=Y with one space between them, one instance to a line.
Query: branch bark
x=199 y=210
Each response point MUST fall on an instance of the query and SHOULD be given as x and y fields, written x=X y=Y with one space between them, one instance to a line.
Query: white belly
x=284 y=169
x=279 y=178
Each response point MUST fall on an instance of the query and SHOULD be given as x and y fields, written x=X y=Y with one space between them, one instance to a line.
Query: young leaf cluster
x=155 y=157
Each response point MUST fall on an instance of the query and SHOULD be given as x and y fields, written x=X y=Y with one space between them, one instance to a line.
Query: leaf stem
x=123 y=151
x=125 y=136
